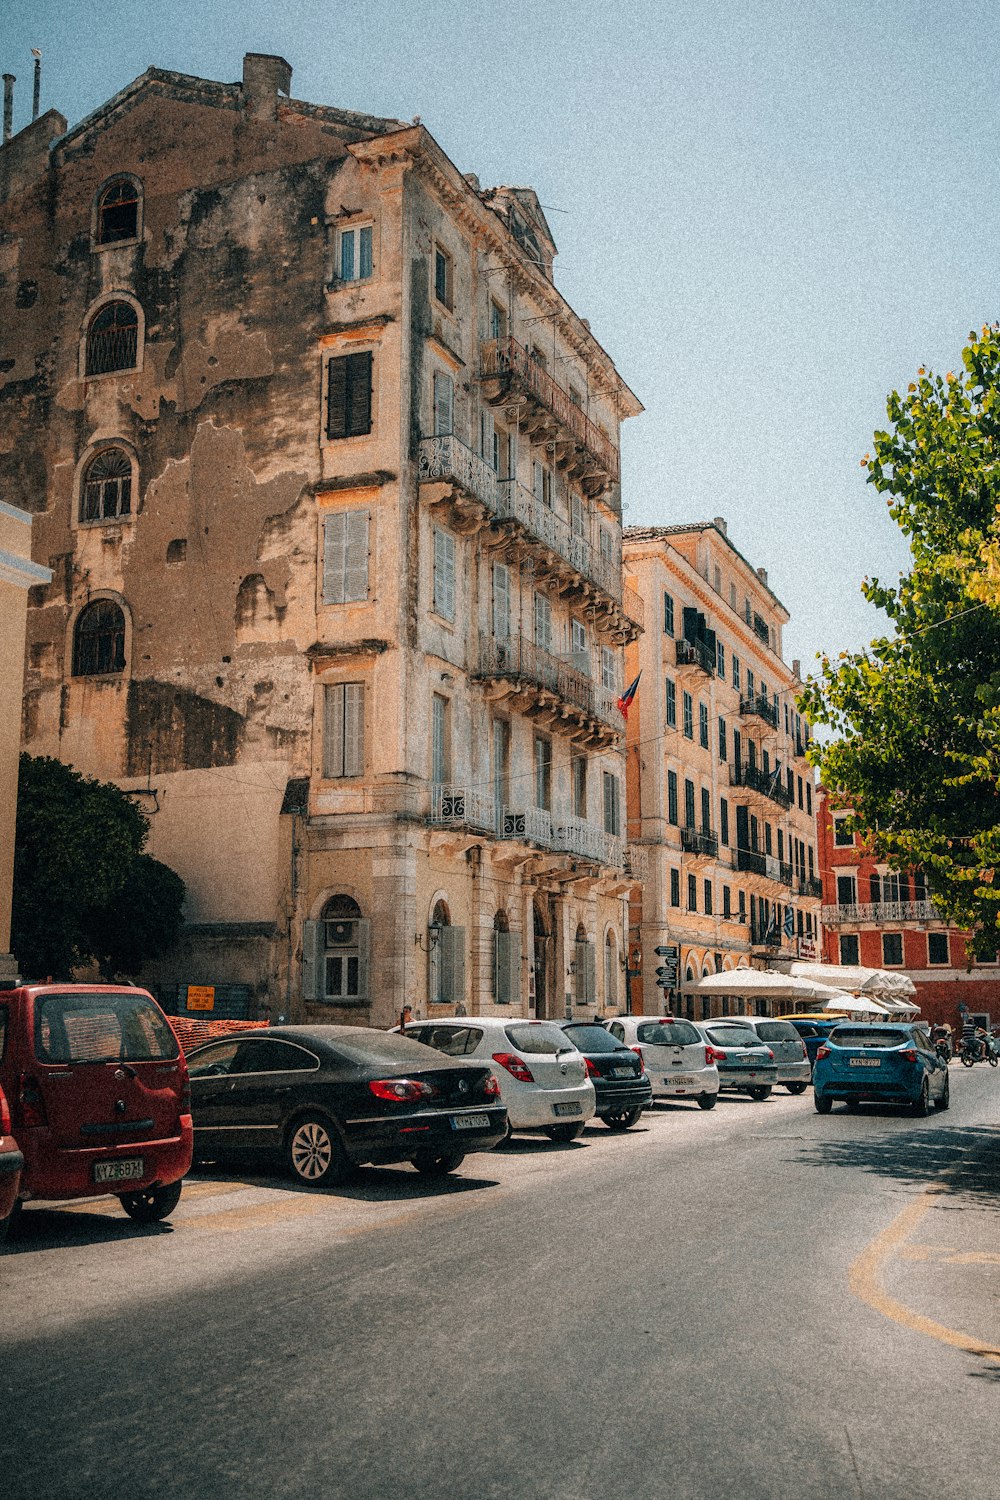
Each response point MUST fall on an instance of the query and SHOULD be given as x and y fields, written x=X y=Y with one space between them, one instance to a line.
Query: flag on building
x=789 y=923
x=625 y=701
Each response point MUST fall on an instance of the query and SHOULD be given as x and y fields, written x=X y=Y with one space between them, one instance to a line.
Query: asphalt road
x=756 y=1302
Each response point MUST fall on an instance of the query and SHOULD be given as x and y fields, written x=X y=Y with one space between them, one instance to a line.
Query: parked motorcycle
x=992 y=1045
x=970 y=1052
x=943 y=1048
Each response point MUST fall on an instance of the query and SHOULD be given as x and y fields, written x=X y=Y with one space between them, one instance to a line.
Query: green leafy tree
x=915 y=719
x=83 y=888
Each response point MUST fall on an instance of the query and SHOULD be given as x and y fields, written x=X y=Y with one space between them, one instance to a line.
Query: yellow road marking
x=254 y=1215
x=110 y=1205
x=865 y=1280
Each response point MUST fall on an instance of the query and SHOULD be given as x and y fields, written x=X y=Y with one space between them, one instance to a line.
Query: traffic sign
x=666 y=950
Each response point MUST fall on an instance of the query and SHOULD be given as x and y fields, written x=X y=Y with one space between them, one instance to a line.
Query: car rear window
x=733 y=1036
x=592 y=1039
x=667 y=1034
x=383 y=1048
x=101 y=1027
x=776 y=1031
x=868 y=1036
x=537 y=1036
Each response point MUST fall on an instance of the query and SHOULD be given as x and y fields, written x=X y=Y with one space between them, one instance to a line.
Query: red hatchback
x=11 y=1162
x=99 y=1095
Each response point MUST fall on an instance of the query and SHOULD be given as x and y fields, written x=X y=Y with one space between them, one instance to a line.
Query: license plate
x=865 y=1062
x=130 y=1169
x=679 y=1078
x=622 y=1073
x=470 y=1122
x=567 y=1109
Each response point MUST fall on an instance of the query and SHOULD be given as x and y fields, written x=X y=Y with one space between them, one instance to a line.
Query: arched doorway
x=542 y=945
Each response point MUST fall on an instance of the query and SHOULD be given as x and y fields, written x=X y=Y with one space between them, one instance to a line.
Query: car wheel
x=967 y=1060
x=314 y=1153
x=707 y=1101
x=150 y=1205
x=944 y=1099
x=921 y=1104
x=823 y=1104
x=992 y=1059
x=760 y=1093
x=438 y=1164
x=796 y=1088
x=623 y=1119
x=563 y=1132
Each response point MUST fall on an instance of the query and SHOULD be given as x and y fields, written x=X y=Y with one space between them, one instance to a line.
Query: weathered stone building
x=326 y=471
x=720 y=793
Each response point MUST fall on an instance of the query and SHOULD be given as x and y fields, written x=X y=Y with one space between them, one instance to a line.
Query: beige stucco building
x=326 y=470
x=720 y=794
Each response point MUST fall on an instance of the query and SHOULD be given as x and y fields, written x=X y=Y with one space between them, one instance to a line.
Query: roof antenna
x=37 y=55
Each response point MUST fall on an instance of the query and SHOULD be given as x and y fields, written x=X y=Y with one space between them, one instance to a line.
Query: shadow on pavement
x=55 y=1228
x=393 y=1184
x=970 y=1155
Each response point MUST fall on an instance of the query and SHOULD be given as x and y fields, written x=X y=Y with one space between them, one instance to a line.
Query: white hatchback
x=542 y=1076
x=674 y=1054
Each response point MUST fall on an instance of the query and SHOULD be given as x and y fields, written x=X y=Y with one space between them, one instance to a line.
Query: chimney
x=36 y=92
x=719 y=523
x=8 y=106
x=797 y=668
x=762 y=575
x=264 y=78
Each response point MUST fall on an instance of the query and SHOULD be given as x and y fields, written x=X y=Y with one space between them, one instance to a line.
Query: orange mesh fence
x=192 y=1033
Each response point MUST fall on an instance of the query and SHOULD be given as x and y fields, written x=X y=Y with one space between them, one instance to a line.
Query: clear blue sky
x=771 y=211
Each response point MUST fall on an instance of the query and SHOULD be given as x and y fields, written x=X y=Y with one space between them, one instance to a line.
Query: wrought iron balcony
x=517 y=503
x=458 y=805
x=549 y=414
x=696 y=654
x=850 y=914
x=446 y=460
x=767 y=783
x=705 y=845
x=536 y=675
x=808 y=886
x=762 y=707
x=755 y=862
x=637 y=862
x=575 y=836
x=531 y=825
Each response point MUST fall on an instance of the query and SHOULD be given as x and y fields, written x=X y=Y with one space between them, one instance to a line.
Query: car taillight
x=32 y=1105
x=592 y=1070
x=823 y=1051
x=804 y=1052
x=515 y=1067
x=638 y=1053
x=770 y=1054
x=714 y=1055
x=4 y=1115
x=401 y=1090
x=491 y=1089
x=908 y=1054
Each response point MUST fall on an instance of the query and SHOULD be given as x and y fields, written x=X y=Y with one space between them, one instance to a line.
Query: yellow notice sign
x=201 y=997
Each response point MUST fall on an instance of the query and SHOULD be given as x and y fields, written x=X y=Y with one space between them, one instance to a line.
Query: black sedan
x=616 y=1071
x=327 y=1098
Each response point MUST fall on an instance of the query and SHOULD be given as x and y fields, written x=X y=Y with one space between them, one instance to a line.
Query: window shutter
x=355 y=584
x=444 y=574
x=452 y=945
x=365 y=252
x=354 y=729
x=336 y=398
x=501 y=602
x=543 y=623
x=363 y=927
x=444 y=401
x=590 y=973
x=312 y=960
x=359 y=381
x=347 y=255
x=333 y=731
x=501 y=967
x=576 y=515
x=334 y=544
x=513 y=968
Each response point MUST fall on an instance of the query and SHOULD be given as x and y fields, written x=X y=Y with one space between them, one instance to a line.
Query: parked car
x=790 y=1056
x=675 y=1055
x=746 y=1064
x=893 y=1064
x=814 y=1030
x=620 y=1082
x=328 y=1098
x=542 y=1075
x=11 y=1164
x=98 y=1093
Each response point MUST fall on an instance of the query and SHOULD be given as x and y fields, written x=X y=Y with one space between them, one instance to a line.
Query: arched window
x=118 y=212
x=506 y=962
x=112 y=339
x=106 y=490
x=584 y=987
x=446 y=964
x=611 y=968
x=99 y=640
x=345 y=950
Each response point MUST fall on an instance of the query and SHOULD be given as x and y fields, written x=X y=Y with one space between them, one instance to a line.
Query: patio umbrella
x=766 y=984
x=858 y=1005
x=862 y=981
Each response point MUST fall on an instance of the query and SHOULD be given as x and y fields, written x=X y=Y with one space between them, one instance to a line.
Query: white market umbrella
x=858 y=1005
x=766 y=984
x=855 y=977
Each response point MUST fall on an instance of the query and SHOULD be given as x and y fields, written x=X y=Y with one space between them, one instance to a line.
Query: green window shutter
x=364 y=940
x=514 y=968
x=349 y=395
x=452 y=941
x=501 y=968
x=312 y=960
x=590 y=991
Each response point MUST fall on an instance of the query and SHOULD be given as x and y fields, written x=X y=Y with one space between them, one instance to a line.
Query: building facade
x=720 y=795
x=326 y=471
x=883 y=919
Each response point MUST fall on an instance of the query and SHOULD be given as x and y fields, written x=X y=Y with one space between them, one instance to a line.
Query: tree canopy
x=915 y=719
x=84 y=890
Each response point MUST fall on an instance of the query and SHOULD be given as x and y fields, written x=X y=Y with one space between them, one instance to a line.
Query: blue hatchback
x=891 y=1064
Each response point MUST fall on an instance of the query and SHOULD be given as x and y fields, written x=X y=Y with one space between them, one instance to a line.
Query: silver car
x=746 y=1064
x=790 y=1055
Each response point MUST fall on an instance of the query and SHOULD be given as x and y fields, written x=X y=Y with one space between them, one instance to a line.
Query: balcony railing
x=808 y=886
x=768 y=783
x=587 y=451
x=850 y=913
x=637 y=862
x=694 y=841
x=574 y=836
x=633 y=606
x=516 y=658
x=754 y=862
x=457 y=805
x=532 y=825
x=696 y=654
x=762 y=707
x=447 y=460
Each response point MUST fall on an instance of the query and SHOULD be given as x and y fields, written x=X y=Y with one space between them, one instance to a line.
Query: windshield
x=733 y=1036
x=776 y=1031
x=539 y=1037
x=96 y=1027
x=592 y=1039
x=667 y=1034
